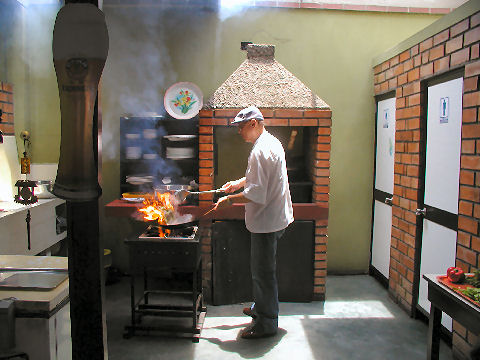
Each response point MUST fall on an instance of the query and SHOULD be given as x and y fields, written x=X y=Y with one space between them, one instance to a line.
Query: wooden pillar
x=88 y=325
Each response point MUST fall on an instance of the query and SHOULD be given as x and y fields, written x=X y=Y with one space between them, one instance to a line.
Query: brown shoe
x=249 y=312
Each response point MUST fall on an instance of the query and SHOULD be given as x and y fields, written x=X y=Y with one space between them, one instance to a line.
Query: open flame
x=158 y=207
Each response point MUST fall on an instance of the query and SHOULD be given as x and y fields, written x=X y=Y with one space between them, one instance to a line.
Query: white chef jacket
x=266 y=186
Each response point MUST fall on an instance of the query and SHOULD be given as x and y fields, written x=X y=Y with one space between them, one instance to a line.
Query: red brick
x=436 y=52
x=402 y=79
x=289 y=113
x=472 y=69
x=470 y=84
x=392 y=84
x=472 y=36
x=417 y=60
x=413 y=75
x=398 y=70
x=205 y=147
x=470 y=131
x=476 y=245
x=380 y=78
x=426 y=44
x=8 y=129
x=205 y=163
x=205 y=130
x=459 y=28
x=469 y=193
x=468 y=147
x=324 y=131
x=460 y=57
x=394 y=61
x=400 y=103
x=426 y=70
x=205 y=180
x=220 y=122
x=276 y=122
x=441 y=37
x=303 y=122
x=408 y=65
x=7 y=87
x=467 y=177
x=323 y=114
x=267 y=113
x=205 y=139
x=377 y=69
x=454 y=44
x=205 y=172
x=425 y=57
x=466 y=255
x=325 y=122
x=470 y=162
x=229 y=113
x=475 y=20
x=411 y=88
x=441 y=64
x=205 y=155
x=471 y=99
x=475 y=51
x=463 y=238
x=204 y=113
x=467 y=224
x=404 y=56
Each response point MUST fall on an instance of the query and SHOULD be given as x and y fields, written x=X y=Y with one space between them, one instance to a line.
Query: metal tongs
x=181 y=195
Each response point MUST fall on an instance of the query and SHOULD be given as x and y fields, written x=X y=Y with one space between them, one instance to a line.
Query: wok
x=176 y=224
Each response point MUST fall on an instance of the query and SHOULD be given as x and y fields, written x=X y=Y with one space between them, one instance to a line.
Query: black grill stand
x=149 y=256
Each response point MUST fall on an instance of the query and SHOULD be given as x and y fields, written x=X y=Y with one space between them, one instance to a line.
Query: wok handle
x=205 y=192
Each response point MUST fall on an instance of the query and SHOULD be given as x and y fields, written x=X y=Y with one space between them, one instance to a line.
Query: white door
x=442 y=172
x=383 y=192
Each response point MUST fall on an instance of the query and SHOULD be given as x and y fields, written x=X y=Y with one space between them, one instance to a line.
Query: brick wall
x=453 y=48
x=320 y=119
x=6 y=105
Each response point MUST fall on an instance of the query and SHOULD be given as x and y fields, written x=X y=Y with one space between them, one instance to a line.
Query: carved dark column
x=88 y=326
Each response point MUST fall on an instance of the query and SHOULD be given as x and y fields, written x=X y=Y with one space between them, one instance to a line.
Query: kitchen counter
x=43 y=226
x=30 y=301
x=42 y=317
x=301 y=211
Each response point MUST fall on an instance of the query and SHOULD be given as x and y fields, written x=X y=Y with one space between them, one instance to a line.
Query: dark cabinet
x=231 y=262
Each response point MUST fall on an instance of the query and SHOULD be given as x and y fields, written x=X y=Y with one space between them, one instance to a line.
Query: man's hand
x=233 y=186
x=222 y=203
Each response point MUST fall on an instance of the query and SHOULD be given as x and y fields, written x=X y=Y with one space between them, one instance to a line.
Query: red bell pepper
x=456 y=275
x=449 y=270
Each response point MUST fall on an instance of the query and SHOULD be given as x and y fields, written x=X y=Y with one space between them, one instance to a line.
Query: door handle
x=388 y=201
x=422 y=212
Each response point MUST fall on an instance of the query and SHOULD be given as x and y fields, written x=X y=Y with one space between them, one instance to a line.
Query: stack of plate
x=180 y=152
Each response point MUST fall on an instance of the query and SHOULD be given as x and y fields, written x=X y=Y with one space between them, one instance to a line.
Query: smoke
x=230 y=8
x=137 y=71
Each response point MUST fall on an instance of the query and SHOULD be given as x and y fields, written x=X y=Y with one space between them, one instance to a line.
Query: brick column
x=6 y=105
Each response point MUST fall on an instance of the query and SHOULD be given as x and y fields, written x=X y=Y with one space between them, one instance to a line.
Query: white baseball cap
x=247 y=114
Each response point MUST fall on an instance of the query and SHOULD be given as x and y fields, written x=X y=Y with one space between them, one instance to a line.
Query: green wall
x=330 y=51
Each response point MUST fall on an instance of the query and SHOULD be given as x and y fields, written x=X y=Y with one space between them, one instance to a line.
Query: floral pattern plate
x=183 y=100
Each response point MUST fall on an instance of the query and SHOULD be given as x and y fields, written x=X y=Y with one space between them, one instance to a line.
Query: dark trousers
x=264 y=279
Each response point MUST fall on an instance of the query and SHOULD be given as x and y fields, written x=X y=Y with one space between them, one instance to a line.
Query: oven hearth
x=154 y=232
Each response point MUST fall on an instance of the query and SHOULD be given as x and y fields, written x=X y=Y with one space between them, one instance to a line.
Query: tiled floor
x=358 y=320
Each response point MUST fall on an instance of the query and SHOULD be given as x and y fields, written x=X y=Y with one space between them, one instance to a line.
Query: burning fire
x=158 y=207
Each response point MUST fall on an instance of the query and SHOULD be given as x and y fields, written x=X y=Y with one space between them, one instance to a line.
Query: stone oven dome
x=262 y=81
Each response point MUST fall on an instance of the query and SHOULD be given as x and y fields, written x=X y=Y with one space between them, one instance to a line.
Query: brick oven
x=292 y=109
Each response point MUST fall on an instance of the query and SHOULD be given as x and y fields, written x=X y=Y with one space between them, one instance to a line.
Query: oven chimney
x=260 y=52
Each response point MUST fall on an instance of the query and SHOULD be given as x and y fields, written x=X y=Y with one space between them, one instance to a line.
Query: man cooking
x=268 y=211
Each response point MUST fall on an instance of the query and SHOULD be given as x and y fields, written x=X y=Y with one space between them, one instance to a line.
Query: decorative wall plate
x=183 y=100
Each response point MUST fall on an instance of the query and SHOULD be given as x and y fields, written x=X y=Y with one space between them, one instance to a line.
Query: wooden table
x=445 y=299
